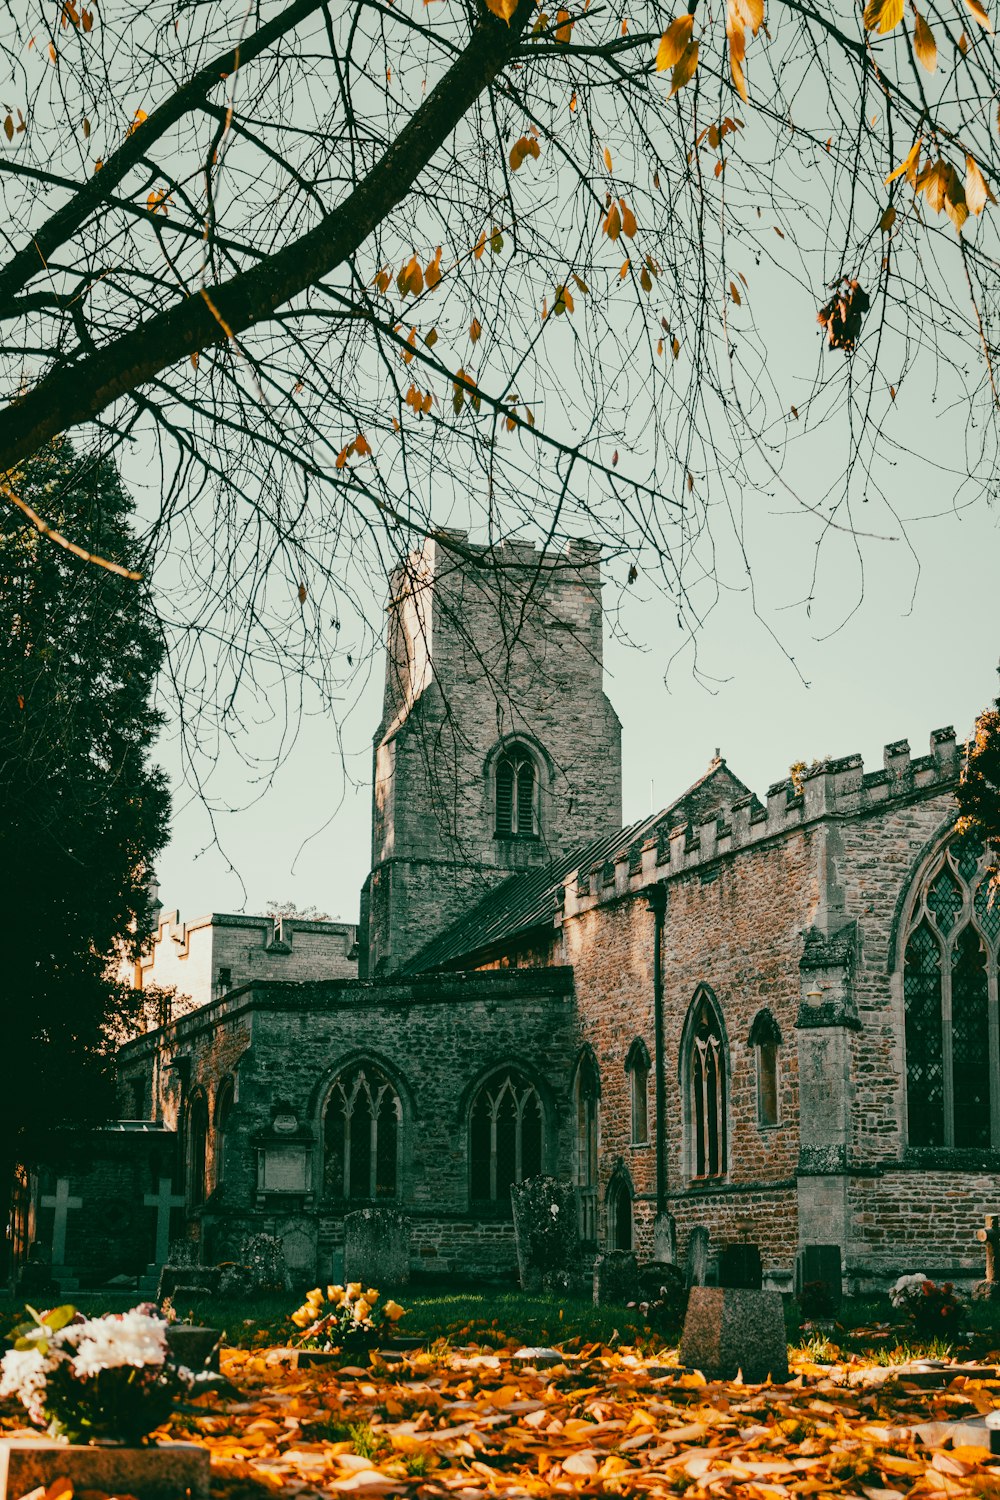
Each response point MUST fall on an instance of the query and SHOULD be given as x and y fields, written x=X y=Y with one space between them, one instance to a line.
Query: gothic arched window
x=361 y=1136
x=223 y=1112
x=619 y=1214
x=505 y=1136
x=705 y=1065
x=765 y=1038
x=949 y=963
x=515 y=784
x=197 y=1149
x=637 y=1069
x=588 y=1102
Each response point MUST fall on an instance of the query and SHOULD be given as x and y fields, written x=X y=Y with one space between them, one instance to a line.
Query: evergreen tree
x=82 y=811
x=979 y=789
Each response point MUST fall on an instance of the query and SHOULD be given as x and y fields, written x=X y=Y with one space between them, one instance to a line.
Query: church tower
x=498 y=750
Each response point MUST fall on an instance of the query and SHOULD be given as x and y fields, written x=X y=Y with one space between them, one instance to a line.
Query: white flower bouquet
x=85 y=1379
x=347 y=1315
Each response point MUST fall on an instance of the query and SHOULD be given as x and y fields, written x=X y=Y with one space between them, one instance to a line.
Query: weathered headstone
x=696 y=1269
x=188 y=1280
x=377 y=1248
x=193 y=1347
x=664 y=1238
x=616 y=1278
x=728 y=1329
x=546 y=1229
x=989 y=1289
x=740 y=1266
x=819 y=1280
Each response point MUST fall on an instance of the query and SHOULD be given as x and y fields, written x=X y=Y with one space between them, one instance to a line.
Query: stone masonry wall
x=434 y=1038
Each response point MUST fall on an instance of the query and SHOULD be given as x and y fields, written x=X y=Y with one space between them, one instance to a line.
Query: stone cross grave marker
x=989 y=1290
x=62 y=1203
x=163 y=1200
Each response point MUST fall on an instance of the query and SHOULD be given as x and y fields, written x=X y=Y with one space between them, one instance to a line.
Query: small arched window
x=949 y=962
x=637 y=1069
x=505 y=1136
x=361 y=1136
x=197 y=1149
x=765 y=1038
x=619 y=1214
x=588 y=1103
x=515 y=782
x=223 y=1112
x=706 y=1088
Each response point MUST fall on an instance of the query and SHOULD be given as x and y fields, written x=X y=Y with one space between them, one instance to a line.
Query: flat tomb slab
x=165 y=1471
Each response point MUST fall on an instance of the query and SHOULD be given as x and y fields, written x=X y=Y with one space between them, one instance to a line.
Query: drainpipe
x=656 y=896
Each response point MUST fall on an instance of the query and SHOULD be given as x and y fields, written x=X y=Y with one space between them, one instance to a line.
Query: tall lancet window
x=949 y=972
x=705 y=1065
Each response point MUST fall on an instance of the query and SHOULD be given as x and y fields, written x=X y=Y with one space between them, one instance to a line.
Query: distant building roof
x=525 y=902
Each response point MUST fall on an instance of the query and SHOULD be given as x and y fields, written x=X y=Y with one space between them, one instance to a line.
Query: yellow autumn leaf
x=887 y=220
x=908 y=165
x=883 y=16
x=629 y=226
x=980 y=14
x=977 y=190
x=674 y=42
x=612 y=225
x=564 y=27
x=502 y=8
x=924 y=44
x=607 y=160
x=685 y=69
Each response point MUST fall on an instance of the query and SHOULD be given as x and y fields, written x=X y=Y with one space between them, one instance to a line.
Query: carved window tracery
x=361 y=1136
x=950 y=1004
x=505 y=1136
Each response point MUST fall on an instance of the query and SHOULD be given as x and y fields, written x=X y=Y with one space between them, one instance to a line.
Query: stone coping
x=163 y=1471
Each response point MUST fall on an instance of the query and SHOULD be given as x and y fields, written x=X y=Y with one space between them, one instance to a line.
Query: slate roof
x=526 y=901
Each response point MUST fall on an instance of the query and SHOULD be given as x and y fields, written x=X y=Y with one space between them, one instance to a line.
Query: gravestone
x=728 y=1329
x=546 y=1229
x=664 y=1238
x=165 y=1201
x=193 y=1347
x=696 y=1269
x=377 y=1248
x=819 y=1280
x=989 y=1289
x=616 y=1278
x=740 y=1266
x=62 y=1202
x=188 y=1281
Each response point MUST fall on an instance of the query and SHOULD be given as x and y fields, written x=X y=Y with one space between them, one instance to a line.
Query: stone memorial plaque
x=283 y=1169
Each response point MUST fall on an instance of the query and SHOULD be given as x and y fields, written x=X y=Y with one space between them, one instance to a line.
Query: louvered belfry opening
x=515 y=795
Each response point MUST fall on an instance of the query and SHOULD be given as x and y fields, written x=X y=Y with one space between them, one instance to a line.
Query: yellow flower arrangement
x=346 y=1315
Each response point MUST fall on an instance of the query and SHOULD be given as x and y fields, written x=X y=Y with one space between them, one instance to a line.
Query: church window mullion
x=947 y=1051
x=493 y=1152
x=347 y=1151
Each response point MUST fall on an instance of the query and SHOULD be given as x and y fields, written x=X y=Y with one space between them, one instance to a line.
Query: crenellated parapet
x=659 y=848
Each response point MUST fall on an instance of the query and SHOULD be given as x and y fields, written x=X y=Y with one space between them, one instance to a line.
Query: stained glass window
x=950 y=999
x=924 y=1055
x=637 y=1068
x=944 y=899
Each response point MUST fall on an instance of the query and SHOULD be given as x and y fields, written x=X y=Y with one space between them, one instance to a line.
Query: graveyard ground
x=462 y=1416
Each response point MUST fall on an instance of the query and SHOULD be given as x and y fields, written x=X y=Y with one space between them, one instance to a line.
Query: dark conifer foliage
x=83 y=812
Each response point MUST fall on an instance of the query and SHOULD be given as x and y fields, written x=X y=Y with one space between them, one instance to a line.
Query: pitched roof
x=529 y=900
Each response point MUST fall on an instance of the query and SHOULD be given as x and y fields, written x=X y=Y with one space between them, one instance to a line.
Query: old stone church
x=777 y=1019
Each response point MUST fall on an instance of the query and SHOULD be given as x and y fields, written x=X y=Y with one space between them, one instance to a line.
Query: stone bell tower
x=498 y=749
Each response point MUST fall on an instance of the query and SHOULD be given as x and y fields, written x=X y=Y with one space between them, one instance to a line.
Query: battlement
x=833 y=788
x=212 y=954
